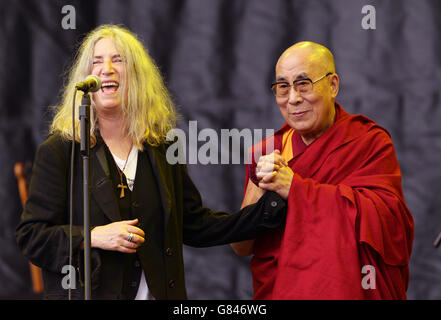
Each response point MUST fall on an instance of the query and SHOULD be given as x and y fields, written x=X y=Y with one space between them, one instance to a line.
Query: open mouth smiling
x=109 y=86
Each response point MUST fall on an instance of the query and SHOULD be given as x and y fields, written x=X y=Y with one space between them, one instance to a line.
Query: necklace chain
x=121 y=185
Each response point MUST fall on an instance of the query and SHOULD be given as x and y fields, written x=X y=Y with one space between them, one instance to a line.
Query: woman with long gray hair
x=142 y=208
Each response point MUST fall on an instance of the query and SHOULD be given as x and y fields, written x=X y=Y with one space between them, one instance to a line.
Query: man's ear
x=335 y=85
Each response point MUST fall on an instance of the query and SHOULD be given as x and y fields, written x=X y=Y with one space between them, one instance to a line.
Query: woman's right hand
x=115 y=236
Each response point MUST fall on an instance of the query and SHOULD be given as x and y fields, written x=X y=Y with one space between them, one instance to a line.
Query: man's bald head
x=310 y=112
x=317 y=54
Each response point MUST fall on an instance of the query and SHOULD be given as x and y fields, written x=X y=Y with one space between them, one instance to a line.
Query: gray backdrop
x=218 y=57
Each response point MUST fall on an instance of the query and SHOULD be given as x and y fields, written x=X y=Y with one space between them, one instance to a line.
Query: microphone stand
x=84 y=114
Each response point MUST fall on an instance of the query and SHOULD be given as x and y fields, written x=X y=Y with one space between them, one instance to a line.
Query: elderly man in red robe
x=348 y=232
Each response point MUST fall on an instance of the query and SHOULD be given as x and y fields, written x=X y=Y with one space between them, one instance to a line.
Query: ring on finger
x=130 y=237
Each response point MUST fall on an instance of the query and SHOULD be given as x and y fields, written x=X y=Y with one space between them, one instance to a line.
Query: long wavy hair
x=148 y=109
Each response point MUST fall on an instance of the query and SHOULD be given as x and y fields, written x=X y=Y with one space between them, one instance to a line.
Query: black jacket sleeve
x=204 y=227
x=43 y=232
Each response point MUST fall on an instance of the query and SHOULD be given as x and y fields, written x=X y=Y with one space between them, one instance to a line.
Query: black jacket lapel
x=101 y=184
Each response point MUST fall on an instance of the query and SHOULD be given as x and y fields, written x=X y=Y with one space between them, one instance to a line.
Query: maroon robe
x=346 y=211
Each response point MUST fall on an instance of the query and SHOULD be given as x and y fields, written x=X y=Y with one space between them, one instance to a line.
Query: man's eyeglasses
x=303 y=86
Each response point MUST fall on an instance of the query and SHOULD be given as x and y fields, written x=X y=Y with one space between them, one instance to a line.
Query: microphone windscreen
x=96 y=82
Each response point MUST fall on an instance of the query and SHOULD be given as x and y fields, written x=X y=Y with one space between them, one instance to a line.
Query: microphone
x=92 y=84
